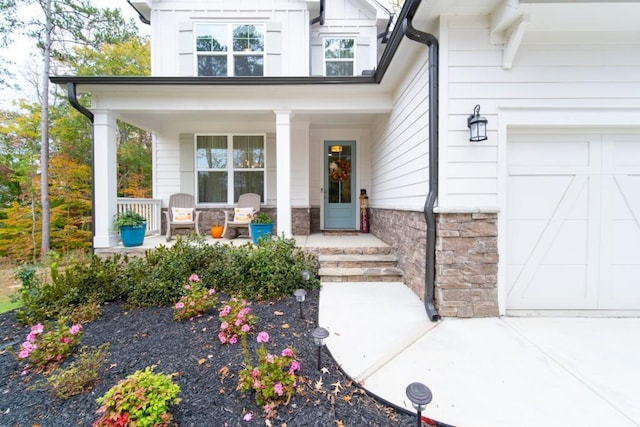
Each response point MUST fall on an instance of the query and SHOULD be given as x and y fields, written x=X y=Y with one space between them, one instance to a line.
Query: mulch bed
x=145 y=337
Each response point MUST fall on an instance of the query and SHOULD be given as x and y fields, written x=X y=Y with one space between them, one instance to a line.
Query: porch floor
x=311 y=243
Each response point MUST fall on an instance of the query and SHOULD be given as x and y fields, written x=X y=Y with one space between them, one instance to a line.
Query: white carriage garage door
x=573 y=222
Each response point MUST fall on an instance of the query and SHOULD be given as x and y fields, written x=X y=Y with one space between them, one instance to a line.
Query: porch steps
x=359 y=267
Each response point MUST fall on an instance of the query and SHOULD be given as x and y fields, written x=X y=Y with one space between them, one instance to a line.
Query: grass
x=8 y=286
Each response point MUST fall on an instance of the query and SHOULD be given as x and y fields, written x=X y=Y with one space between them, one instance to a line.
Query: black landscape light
x=319 y=335
x=300 y=295
x=420 y=396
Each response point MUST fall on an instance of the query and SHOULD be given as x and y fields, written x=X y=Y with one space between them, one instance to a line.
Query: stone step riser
x=347 y=279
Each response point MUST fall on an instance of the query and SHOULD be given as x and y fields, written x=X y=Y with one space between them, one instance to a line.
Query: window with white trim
x=339 y=56
x=230 y=49
x=228 y=166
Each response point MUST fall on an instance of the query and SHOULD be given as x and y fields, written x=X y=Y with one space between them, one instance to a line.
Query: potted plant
x=261 y=226
x=132 y=228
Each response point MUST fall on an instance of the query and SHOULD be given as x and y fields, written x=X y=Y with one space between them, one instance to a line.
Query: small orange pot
x=216 y=231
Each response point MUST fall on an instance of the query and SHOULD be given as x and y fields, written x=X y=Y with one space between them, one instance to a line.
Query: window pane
x=248 y=38
x=340 y=175
x=212 y=187
x=211 y=152
x=248 y=152
x=212 y=66
x=248 y=182
x=248 y=66
x=338 y=48
x=211 y=38
x=339 y=68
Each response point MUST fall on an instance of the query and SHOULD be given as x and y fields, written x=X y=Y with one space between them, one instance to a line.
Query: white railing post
x=148 y=208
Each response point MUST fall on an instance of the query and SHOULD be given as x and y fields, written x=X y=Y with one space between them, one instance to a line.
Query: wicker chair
x=231 y=227
x=186 y=201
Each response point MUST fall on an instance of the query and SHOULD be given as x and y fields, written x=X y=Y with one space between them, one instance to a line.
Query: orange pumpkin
x=216 y=231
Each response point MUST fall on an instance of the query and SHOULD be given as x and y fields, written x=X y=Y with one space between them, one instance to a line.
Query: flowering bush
x=273 y=379
x=141 y=399
x=236 y=321
x=46 y=350
x=196 y=299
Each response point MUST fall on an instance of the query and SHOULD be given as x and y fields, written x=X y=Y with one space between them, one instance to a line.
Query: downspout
x=432 y=42
x=317 y=20
x=73 y=100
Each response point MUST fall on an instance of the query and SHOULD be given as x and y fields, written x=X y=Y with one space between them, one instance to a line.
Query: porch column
x=283 y=171
x=105 y=178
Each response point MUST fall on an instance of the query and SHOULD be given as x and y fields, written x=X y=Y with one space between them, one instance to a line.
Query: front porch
x=328 y=243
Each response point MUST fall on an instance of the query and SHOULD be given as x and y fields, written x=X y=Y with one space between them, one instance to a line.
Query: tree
x=61 y=25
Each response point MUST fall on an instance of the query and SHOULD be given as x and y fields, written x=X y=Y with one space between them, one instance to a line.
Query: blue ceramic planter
x=260 y=231
x=132 y=236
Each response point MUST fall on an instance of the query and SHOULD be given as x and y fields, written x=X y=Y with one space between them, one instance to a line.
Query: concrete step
x=358 y=274
x=358 y=261
x=349 y=250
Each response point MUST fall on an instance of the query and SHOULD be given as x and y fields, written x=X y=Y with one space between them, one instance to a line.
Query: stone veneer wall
x=405 y=232
x=300 y=221
x=466 y=264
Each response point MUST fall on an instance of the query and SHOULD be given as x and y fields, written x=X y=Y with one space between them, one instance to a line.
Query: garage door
x=573 y=222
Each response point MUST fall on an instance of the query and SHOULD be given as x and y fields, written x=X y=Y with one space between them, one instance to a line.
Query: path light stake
x=420 y=396
x=300 y=294
x=319 y=335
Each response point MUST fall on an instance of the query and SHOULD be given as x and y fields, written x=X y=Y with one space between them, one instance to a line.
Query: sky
x=26 y=58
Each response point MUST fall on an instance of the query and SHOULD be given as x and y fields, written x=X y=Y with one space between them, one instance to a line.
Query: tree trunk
x=44 y=138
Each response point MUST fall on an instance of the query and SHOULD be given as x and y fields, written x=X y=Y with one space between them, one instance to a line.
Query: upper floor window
x=228 y=166
x=339 y=57
x=230 y=49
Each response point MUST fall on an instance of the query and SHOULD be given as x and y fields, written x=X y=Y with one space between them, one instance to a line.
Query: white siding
x=399 y=154
x=286 y=39
x=547 y=75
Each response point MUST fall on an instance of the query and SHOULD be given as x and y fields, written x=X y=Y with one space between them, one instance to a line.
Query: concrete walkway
x=486 y=372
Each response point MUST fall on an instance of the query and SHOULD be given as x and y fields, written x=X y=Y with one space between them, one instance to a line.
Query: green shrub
x=272 y=269
x=142 y=399
x=77 y=284
x=81 y=375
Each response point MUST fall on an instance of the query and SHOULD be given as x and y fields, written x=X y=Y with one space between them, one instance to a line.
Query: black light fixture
x=477 y=125
x=300 y=295
x=420 y=396
x=319 y=335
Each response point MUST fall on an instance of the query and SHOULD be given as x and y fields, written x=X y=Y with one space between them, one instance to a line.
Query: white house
x=309 y=101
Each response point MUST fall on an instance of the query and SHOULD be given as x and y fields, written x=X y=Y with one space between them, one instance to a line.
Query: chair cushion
x=243 y=215
x=182 y=214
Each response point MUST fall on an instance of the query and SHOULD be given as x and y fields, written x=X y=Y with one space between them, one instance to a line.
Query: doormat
x=340 y=233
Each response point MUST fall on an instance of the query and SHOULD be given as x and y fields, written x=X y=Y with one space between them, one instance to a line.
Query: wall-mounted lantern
x=477 y=125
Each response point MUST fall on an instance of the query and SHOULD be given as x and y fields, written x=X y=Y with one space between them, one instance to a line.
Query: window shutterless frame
x=339 y=56
x=228 y=165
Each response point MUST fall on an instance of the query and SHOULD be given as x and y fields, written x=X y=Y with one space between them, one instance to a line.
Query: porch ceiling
x=160 y=107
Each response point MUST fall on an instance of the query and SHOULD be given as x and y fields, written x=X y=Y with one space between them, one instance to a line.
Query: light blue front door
x=340 y=202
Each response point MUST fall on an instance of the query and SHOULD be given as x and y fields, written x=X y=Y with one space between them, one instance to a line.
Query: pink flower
x=212 y=291
x=192 y=303
x=269 y=358
x=248 y=416
x=179 y=306
x=257 y=385
x=263 y=337
x=245 y=328
x=238 y=322
x=66 y=340
x=32 y=336
x=226 y=310
x=255 y=373
x=222 y=337
x=287 y=352
x=75 y=329
x=23 y=354
x=59 y=357
x=277 y=388
x=194 y=278
x=187 y=287
x=233 y=340
x=268 y=408
x=295 y=366
x=37 y=329
x=224 y=325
